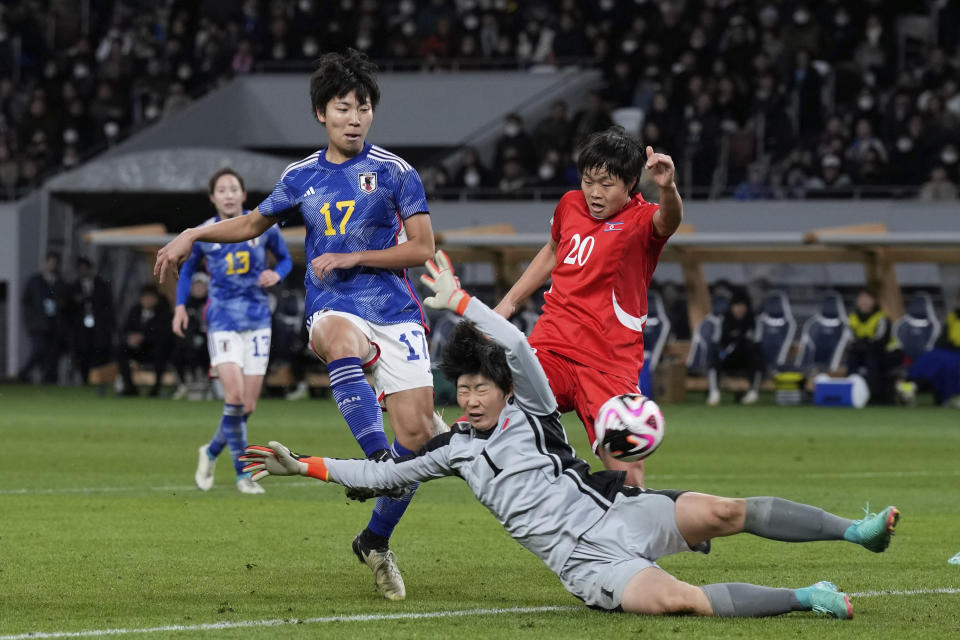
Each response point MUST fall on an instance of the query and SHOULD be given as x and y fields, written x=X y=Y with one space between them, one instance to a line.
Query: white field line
x=278 y=622
x=377 y=617
x=655 y=477
x=908 y=592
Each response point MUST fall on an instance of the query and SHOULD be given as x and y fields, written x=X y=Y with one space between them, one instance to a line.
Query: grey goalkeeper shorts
x=631 y=536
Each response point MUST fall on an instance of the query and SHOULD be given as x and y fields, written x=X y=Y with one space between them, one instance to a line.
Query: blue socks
x=358 y=404
x=233 y=433
x=388 y=511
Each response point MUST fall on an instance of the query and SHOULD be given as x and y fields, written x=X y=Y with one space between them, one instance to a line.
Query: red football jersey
x=596 y=308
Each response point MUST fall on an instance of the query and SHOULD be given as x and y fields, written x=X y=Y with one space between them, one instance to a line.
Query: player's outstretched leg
x=780 y=519
x=742 y=600
x=653 y=591
x=874 y=531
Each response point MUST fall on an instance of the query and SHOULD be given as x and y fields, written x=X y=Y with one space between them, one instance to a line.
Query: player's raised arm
x=530 y=385
x=238 y=229
x=534 y=276
x=668 y=217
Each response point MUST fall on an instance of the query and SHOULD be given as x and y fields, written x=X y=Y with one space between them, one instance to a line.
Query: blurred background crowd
x=753 y=99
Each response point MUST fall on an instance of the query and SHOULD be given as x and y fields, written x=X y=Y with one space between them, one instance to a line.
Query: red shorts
x=580 y=388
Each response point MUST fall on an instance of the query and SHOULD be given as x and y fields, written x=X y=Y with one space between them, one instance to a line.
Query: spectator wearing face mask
x=471 y=174
x=905 y=155
x=950 y=158
x=550 y=172
x=832 y=176
x=515 y=143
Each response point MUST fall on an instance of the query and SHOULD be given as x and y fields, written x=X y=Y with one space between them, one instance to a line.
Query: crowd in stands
x=758 y=99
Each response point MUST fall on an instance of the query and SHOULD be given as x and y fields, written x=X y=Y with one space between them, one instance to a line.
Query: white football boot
x=205 y=466
x=383 y=563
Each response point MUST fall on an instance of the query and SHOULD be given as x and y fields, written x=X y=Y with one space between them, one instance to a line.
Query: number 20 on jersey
x=580 y=251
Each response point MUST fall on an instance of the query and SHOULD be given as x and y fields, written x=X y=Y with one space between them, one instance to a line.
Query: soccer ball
x=629 y=427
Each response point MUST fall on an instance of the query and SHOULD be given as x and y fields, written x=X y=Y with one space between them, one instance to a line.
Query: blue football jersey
x=236 y=301
x=358 y=205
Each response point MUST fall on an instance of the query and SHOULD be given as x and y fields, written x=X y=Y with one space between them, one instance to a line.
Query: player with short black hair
x=339 y=74
x=615 y=154
x=367 y=220
x=605 y=241
x=465 y=352
x=599 y=536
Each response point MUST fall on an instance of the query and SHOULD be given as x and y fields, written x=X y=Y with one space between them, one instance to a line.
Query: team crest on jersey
x=612 y=226
x=255 y=242
x=367 y=181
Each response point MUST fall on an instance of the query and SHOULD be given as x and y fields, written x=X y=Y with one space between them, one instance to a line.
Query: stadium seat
x=705 y=334
x=630 y=118
x=776 y=327
x=824 y=337
x=656 y=331
x=918 y=329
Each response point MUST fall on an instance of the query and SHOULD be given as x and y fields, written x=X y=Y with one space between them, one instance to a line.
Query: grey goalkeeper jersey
x=523 y=470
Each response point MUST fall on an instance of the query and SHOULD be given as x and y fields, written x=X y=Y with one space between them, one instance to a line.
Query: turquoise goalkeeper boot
x=825 y=599
x=875 y=530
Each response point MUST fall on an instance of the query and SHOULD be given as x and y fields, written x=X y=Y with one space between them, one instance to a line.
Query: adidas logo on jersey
x=216 y=246
x=309 y=192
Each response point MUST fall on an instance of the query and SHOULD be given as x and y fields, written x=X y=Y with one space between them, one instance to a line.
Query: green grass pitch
x=101 y=528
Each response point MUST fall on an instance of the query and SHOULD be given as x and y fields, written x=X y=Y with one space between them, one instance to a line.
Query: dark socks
x=779 y=519
x=742 y=600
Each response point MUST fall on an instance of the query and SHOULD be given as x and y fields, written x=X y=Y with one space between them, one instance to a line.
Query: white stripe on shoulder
x=387 y=161
x=300 y=163
x=383 y=154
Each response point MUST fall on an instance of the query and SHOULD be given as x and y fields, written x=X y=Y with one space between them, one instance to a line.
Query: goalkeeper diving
x=602 y=538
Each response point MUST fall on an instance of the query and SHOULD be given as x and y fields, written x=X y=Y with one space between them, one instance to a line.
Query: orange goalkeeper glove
x=277 y=460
